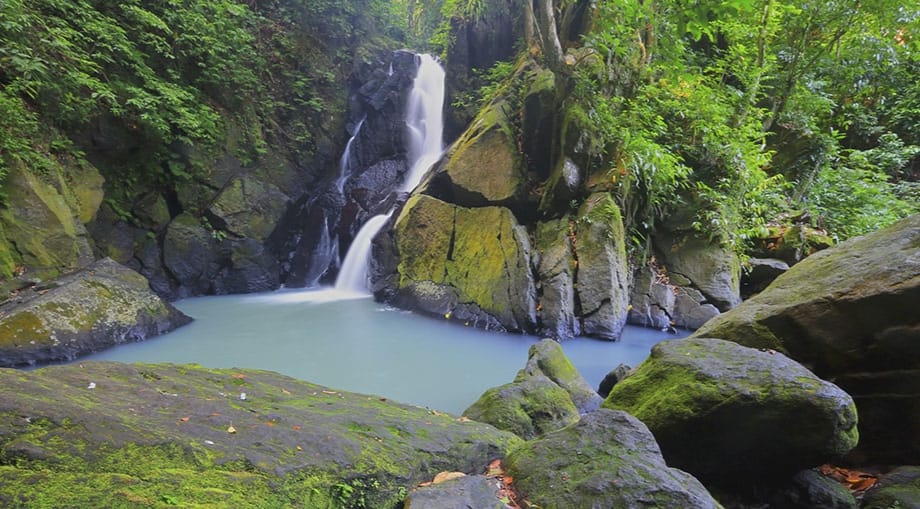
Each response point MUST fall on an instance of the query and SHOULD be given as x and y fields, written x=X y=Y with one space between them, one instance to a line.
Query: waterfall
x=425 y=123
x=345 y=162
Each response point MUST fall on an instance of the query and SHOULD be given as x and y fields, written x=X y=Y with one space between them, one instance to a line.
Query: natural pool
x=359 y=345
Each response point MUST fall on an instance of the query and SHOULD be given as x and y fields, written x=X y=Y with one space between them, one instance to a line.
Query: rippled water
x=359 y=345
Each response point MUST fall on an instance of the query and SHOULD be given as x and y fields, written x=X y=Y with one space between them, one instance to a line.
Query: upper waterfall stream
x=425 y=124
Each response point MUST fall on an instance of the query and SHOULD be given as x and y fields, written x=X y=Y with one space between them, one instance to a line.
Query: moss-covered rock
x=528 y=407
x=42 y=232
x=114 y=435
x=248 y=208
x=850 y=314
x=607 y=459
x=483 y=167
x=694 y=261
x=726 y=413
x=602 y=282
x=471 y=265
x=898 y=489
x=548 y=394
x=103 y=305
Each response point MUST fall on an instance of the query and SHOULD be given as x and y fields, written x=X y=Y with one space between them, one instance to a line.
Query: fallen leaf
x=329 y=392
x=238 y=375
x=297 y=427
x=299 y=448
x=231 y=429
x=285 y=391
x=447 y=476
x=463 y=419
x=184 y=419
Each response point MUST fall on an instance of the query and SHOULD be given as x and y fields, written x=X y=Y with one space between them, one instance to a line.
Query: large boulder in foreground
x=607 y=459
x=101 y=306
x=115 y=435
x=728 y=413
x=850 y=313
x=548 y=394
x=471 y=265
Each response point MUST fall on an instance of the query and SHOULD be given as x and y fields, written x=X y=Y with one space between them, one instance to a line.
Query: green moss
x=21 y=328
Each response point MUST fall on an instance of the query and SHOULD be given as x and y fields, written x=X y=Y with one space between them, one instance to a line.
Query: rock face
x=101 y=306
x=548 y=394
x=607 y=459
x=43 y=223
x=603 y=288
x=317 y=230
x=713 y=405
x=850 y=314
x=112 y=435
x=470 y=265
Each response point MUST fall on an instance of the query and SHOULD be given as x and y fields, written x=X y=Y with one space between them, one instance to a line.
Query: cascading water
x=425 y=122
x=345 y=162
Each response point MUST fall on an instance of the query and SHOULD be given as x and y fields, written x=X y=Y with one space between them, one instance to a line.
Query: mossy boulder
x=607 y=459
x=731 y=414
x=898 y=489
x=471 y=265
x=248 y=208
x=548 y=394
x=850 y=314
x=101 y=306
x=484 y=166
x=42 y=228
x=602 y=283
x=115 y=435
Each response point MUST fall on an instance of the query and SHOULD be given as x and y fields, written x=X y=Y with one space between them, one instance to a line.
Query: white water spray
x=425 y=122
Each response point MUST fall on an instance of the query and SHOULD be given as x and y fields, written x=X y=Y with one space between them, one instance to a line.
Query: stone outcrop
x=607 y=459
x=899 y=488
x=115 y=435
x=603 y=287
x=470 y=265
x=724 y=412
x=468 y=491
x=548 y=394
x=98 y=307
x=850 y=314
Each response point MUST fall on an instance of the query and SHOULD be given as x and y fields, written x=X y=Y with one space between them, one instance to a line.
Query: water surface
x=359 y=345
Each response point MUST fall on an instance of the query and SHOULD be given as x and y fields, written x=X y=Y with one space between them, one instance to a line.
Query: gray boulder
x=850 y=314
x=468 y=491
x=728 y=413
x=607 y=459
x=98 y=307
x=603 y=287
x=556 y=270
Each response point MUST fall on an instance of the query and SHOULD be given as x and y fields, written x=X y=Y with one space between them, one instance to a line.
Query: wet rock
x=556 y=273
x=603 y=291
x=440 y=260
x=248 y=208
x=850 y=314
x=98 y=307
x=723 y=412
x=110 y=435
x=190 y=255
x=607 y=459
